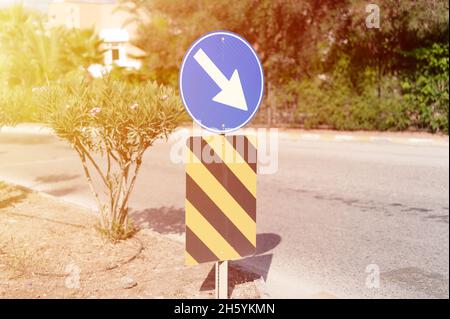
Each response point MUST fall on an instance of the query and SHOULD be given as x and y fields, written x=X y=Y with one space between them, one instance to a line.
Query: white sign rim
x=260 y=71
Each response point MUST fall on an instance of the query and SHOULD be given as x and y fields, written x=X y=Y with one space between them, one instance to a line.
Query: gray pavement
x=333 y=215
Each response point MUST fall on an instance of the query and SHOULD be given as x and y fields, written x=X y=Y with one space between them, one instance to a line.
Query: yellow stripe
x=220 y=196
x=208 y=234
x=189 y=259
x=234 y=161
x=327 y=137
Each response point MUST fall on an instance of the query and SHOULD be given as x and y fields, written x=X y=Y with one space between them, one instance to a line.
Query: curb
x=332 y=137
x=31 y=129
x=62 y=200
x=300 y=135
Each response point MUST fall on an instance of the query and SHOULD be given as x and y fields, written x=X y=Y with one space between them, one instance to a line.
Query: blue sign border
x=207 y=35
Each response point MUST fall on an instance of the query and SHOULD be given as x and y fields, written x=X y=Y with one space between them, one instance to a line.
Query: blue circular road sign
x=221 y=81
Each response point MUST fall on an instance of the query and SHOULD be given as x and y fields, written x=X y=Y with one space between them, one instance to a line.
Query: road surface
x=338 y=219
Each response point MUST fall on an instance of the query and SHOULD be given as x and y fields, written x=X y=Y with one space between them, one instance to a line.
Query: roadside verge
x=49 y=249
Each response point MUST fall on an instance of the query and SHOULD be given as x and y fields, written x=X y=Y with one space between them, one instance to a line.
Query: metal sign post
x=222 y=270
x=222 y=279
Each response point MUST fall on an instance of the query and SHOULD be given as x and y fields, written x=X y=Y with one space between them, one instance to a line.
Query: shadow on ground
x=250 y=268
x=171 y=220
x=164 y=220
x=55 y=178
x=61 y=191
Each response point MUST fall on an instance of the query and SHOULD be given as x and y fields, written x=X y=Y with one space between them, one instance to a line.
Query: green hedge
x=418 y=100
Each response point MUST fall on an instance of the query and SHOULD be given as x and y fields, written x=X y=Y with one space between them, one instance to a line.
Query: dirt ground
x=49 y=249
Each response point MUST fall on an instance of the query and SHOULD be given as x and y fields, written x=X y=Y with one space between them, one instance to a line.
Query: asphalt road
x=333 y=217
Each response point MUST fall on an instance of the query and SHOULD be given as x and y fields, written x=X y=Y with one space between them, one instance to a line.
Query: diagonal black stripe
x=200 y=200
x=245 y=148
x=197 y=249
x=225 y=176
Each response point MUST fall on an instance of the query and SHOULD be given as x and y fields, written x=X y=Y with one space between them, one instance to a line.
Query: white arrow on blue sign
x=221 y=81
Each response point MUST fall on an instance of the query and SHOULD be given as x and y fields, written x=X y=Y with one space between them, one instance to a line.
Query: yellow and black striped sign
x=220 y=198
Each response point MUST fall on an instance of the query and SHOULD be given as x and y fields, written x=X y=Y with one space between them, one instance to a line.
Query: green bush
x=110 y=124
x=426 y=91
x=16 y=105
x=418 y=101
x=336 y=104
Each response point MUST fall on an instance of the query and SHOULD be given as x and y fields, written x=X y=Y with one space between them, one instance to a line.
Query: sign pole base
x=222 y=279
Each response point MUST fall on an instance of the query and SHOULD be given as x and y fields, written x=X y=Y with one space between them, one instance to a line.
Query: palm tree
x=31 y=54
x=80 y=48
x=34 y=54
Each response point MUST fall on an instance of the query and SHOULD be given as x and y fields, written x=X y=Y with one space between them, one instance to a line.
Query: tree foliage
x=284 y=33
x=301 y=41
x=428 y=88
x=33 y=53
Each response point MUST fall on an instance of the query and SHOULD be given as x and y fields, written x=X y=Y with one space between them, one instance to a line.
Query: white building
x=114 y=26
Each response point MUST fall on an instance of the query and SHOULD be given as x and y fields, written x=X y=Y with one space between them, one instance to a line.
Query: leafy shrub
x=110 y=124
x=336 y=104
x=16 y=105
x=426 y=91
x=419 y=100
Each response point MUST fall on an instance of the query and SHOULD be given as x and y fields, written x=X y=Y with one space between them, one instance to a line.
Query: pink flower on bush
x=164 y=97
x=134 y=106
x=95 y=111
